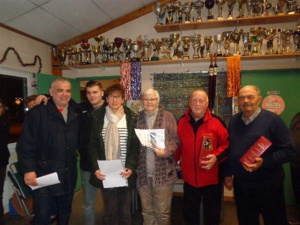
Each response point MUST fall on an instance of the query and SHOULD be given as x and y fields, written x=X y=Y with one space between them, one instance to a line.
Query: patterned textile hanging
x=233 y=75
x=125 y=79
x=136 y=85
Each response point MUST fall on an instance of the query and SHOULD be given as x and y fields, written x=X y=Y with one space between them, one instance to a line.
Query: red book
x=256 y=150
x=207 y=146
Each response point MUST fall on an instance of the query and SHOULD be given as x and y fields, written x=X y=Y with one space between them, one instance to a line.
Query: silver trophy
x=196 y=43
x=187 y=9
x=218 y=39
x=246 y=41
x=146 y=46
x=227 y=41
x=288 y=33
x=160 y=13
x=198 y=5
x=208 y=41
x=220 y=4
x=127 y=48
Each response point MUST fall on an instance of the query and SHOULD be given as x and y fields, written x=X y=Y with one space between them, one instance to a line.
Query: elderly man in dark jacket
x=48 y=144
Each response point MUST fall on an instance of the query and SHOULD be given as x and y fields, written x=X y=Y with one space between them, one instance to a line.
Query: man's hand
x=30 y=179
x=41 y=98
x=228 y=182
x=208 y=162
x=254 y=166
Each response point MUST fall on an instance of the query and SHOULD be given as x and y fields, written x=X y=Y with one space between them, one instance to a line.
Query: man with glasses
x=258 y=186
x=203 y=141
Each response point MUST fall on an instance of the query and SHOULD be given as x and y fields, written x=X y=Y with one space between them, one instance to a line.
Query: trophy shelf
x=180 y=61
x=228 y=23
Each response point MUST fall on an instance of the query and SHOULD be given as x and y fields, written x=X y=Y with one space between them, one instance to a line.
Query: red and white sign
x=273 y=103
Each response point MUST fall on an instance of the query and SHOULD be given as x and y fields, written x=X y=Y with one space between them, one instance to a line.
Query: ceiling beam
x=113 y=24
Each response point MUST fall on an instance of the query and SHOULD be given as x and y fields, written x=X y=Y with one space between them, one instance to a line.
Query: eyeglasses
x=115 y=96
x=249 y=97
x=149 y=100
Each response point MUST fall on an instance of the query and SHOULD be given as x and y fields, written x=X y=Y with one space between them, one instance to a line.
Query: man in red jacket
x=203 y=141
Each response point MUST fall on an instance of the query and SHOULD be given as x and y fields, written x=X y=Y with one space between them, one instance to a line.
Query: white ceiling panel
x=44 y=26
x=10 y=9
x=117 y=8
x=83 y=15
x=57 y=21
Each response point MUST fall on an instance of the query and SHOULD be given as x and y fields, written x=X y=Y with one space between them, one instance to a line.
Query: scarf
x=112 y=145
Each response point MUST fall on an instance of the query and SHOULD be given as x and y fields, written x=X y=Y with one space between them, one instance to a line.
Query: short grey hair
x=151 y=91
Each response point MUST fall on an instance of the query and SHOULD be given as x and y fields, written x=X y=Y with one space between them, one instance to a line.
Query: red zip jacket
x=191 y=146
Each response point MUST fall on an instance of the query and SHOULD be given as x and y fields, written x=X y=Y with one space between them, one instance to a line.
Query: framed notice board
x=175 y=88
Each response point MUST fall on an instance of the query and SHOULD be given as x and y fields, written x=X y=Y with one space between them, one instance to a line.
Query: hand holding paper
x=46 y=180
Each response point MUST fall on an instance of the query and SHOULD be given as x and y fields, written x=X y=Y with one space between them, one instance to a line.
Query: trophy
x=156 y=43
x=146 y=46
x=186 y=46
x=62 y=55
x=170 y=11
x=296 y=37
x=96 y=49
x=175 y=39
x=86 y=52
x=256 y=7
x=135 y=48
x=166 y=48
x=118 y=42
x=127 y=48
x=288 y=33
x=160 y=13
x=178 y=11
x=196 y=43
x=220 y=4
x=218 y=39
x=279 y=35
x=269 y=36
x=246 y=41
x=227 y=41
x=230 y=4
x=257 y=38
x=209 y=4
x=265 y=9
x=207 y=41
x=198 y=5
x=241 y=8
x=71 y=55
x=235 y=37
x=249 y=5
x=187 y=8
x=111 y=54
x=278 y=8
x=78 y=56
x=290 y=6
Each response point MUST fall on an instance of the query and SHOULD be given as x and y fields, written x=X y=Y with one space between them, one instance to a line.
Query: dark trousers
x=117 y=205
x=43 y=208
x=2 y=179
x=211 y=198
x=295 y=173
x=268 y=201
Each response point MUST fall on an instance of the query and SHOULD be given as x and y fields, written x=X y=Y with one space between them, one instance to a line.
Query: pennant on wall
x=136 y=85
x=125 y=79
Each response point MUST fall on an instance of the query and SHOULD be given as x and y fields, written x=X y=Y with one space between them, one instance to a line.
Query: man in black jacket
x=48 y=144
x=94 y=94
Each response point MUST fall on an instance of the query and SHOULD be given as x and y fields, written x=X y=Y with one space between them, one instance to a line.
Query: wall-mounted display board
x=175 y=88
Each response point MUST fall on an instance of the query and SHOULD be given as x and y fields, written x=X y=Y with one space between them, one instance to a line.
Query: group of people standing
x=206 y=149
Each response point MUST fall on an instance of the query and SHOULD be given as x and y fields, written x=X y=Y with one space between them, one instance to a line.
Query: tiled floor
x=228 y=218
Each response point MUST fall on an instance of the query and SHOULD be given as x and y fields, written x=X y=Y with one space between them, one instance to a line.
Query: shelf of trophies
x=247 y=21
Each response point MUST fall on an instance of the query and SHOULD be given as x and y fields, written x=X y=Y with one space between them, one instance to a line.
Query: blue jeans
x=89 y=198
x=43 y=208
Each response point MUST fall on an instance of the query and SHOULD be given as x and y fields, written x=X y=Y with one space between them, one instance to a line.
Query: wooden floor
x=228 y=218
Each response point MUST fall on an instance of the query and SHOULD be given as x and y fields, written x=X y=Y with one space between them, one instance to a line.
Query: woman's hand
x=126 y=173
x=100 y=175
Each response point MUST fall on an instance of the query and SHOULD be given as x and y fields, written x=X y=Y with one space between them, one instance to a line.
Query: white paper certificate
x=152 y=137
x=46 y=180
x=112 y=170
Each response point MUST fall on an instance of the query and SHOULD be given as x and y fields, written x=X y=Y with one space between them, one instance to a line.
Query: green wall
x=287 y=82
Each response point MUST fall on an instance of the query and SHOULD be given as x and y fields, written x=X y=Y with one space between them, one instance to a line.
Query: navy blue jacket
x=49 y=144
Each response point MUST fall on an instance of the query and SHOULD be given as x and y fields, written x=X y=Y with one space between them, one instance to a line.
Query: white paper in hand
x=46 y=180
